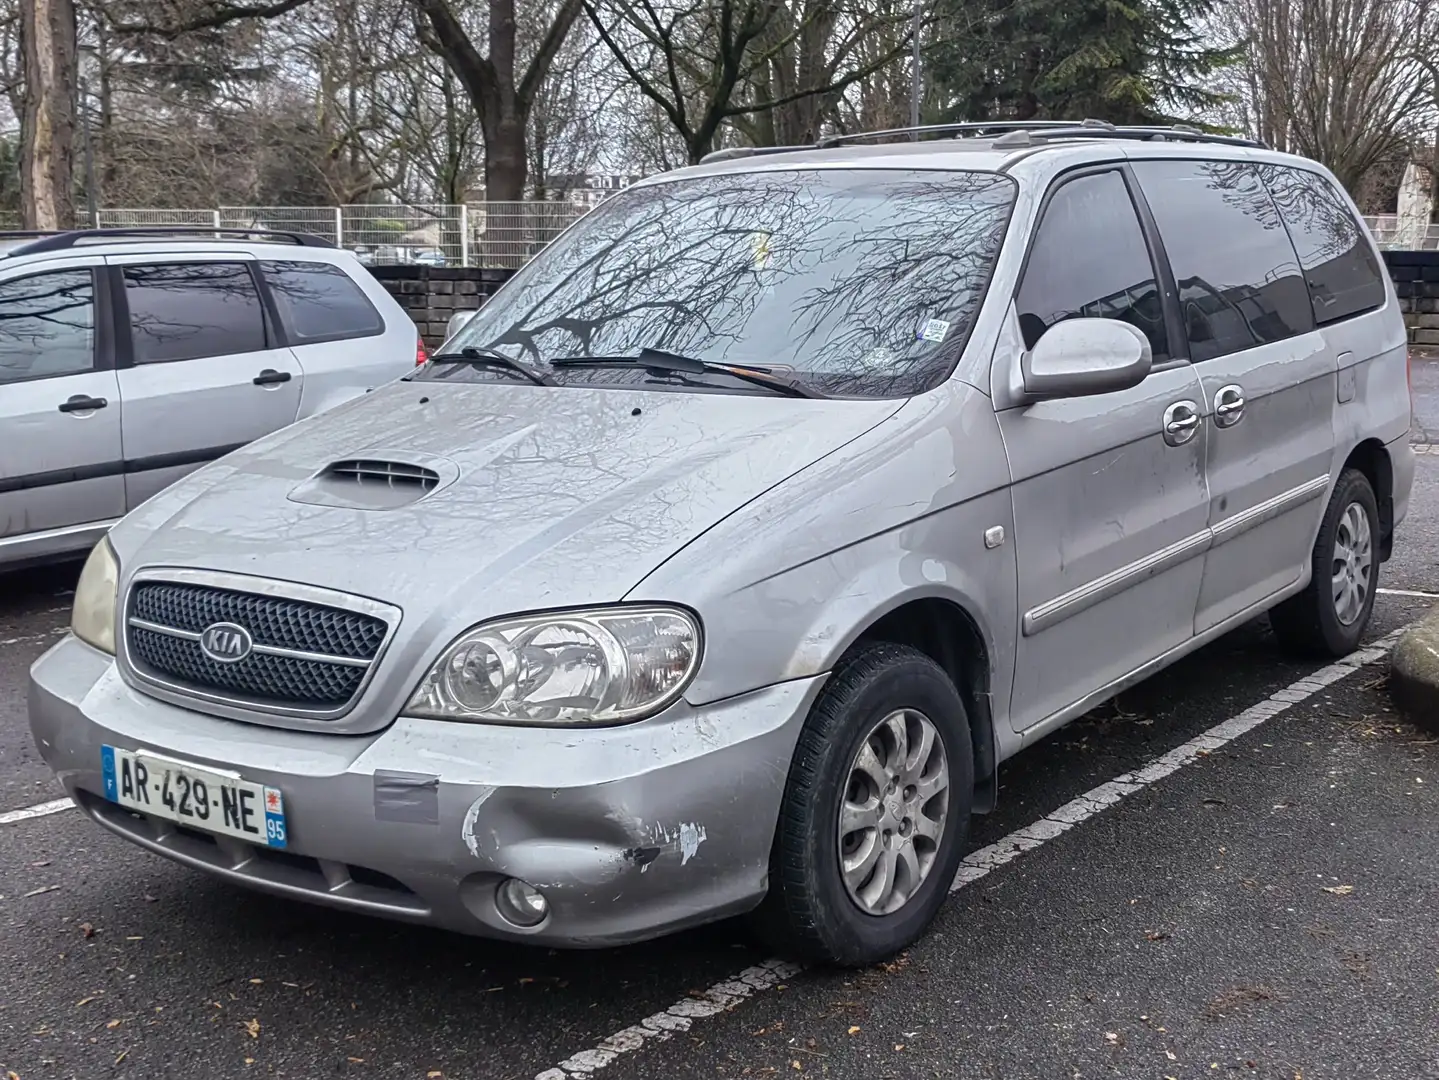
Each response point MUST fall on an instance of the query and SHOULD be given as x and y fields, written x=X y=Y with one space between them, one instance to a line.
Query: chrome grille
x=305 y=656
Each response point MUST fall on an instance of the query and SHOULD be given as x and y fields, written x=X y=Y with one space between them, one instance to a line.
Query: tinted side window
x=192 y=310
x=319 y=302
x=47 y=325
x=1239 y=282
x=1339 y=264
x=1089 y=260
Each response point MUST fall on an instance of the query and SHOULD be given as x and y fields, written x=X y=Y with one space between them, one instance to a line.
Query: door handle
x=82 y=403
x=1181 y=421
x=271 y=377
x=1228 y=405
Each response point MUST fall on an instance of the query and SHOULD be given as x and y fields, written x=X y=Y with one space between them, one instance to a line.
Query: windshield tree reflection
x=860 y=283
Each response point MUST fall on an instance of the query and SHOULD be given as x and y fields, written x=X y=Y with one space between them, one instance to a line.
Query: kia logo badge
x=226 y=643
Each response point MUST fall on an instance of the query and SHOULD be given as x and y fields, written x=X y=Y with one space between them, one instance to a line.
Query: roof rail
x=61 y=241
x=971 y=127
x=1020 y=139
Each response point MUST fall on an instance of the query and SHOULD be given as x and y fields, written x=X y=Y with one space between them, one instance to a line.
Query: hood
x=534 y=497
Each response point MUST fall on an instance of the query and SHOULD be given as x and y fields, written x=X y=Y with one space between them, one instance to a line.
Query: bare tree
x=1349 y=83
x=501 y=94
x=47 y=126
x=706 y=63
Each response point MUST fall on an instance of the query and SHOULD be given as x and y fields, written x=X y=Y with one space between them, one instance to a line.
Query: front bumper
x=630 y=832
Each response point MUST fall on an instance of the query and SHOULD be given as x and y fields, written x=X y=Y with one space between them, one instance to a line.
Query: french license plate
x=201 y=798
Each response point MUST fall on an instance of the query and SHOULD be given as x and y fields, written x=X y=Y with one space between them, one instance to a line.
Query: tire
x=1316 y=622
x=810 y=912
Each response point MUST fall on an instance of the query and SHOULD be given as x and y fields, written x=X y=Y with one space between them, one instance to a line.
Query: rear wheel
x=875 y=811
x=1330 y=616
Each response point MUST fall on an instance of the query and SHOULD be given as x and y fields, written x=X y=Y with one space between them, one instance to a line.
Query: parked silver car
x=732 y=546
x=129 y=357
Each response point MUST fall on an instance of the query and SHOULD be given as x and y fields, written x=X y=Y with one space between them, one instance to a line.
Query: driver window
x=1089 y=260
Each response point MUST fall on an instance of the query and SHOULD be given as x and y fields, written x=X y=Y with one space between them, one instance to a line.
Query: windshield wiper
x=478 y=356
x=659 y=361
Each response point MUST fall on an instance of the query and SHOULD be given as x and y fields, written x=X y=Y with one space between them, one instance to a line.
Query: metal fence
x=1388 y=234
x=497 y=235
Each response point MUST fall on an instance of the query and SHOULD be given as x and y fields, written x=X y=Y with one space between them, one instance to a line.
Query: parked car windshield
x=857 y=282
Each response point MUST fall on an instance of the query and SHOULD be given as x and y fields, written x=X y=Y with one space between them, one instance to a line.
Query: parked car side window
x=1340 y=267
x=1238 y=277
x=47 y=325
x=320 y=302
x=187 y=311
x=1089 y=260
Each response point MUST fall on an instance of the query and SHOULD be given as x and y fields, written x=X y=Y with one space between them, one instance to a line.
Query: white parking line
x=1408 y=592
x=39 y=810
x=29 y=639
x=723 y=996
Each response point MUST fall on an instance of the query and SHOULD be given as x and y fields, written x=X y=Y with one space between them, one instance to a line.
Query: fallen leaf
x=436 y=1075
x=113 y=1024
x=899 y=1046
x=257 y=982
x=87 y=1000
x=796 y=1066
x=122 y=1056
x=252 y=1028
x=12 y=1075
x=355 y=1061
x=249 y=1061
x=854 y=1030
x=1339 y=890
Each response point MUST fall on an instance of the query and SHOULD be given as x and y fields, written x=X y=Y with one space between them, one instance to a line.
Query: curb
x=1414 y=672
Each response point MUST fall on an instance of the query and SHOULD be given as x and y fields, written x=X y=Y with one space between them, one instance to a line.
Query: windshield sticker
x=760 y=240
x=933 y=330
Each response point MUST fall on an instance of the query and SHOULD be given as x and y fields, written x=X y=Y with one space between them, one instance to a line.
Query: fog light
x=520 y=903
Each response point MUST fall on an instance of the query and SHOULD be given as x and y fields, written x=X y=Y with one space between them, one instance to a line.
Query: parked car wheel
x=1329 y=617
x=875 y=811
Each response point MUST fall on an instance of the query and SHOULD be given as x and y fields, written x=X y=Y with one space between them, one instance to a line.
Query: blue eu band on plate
x=194 y=796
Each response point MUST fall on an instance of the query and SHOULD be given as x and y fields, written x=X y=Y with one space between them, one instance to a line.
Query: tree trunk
x=47 y=127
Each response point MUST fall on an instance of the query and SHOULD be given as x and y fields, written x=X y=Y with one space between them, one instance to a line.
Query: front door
x=60 y=450
x=204 y=374
x=1110 y=501
x=1269 y=377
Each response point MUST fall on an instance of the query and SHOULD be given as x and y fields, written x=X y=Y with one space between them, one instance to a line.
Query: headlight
x=93 y=618
x=580 y=667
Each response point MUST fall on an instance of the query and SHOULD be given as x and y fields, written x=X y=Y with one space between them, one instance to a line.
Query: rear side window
x=1340 y=266
x=188 y=311
x=320 y=302
x=1089 y=260
x=47 y=325
x=1238 y=278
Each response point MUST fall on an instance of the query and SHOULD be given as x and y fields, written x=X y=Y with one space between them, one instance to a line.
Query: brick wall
x=431 y=294
x=1416 y=280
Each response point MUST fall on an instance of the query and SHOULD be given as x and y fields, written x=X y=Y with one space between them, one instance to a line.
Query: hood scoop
x=376 y=481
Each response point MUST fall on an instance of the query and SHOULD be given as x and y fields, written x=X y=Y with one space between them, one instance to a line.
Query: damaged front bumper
x=628 y=832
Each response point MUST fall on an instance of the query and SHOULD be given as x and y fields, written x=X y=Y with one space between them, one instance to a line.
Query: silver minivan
x=723 y=557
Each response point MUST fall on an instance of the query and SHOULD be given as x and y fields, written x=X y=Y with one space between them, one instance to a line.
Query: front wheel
x=1330 y=616
x=875 y=811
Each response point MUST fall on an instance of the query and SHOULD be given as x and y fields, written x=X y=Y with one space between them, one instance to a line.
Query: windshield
x=858 y=282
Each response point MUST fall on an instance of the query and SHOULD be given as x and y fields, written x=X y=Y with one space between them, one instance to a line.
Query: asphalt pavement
x=1232 y=870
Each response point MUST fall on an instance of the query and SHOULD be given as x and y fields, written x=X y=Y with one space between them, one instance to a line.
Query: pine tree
x=1125 y=61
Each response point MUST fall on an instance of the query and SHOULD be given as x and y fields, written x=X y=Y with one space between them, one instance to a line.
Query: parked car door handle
x=1228 y=405
x=271 y=377
x=82 y=403
x=1181 y=421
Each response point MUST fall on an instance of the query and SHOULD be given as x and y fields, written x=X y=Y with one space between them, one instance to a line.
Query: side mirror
x=457 y=322
x=1080 y=357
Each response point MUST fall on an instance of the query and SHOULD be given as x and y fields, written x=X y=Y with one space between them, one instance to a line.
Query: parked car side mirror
x=1080 y=357
x=457 y=322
